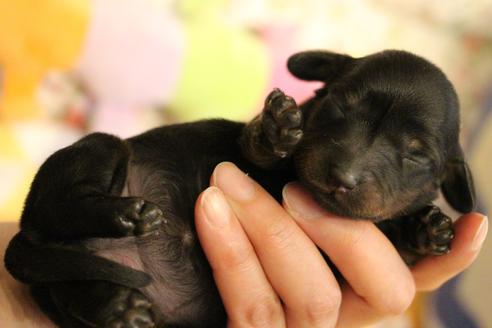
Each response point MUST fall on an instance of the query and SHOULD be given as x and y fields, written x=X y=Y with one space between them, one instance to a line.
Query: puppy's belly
x=182 y=287
x=176 y=291
x=120 y=250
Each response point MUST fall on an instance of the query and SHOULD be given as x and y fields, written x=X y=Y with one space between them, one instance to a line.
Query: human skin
x=17 y=308
x=270 y=272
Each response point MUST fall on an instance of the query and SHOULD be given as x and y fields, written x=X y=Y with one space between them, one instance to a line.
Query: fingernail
x=233 y=182
x=480 y=234
x=299 y=203
x=215 y=206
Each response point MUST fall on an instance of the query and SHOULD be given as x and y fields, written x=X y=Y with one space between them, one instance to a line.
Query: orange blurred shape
x=36 y=36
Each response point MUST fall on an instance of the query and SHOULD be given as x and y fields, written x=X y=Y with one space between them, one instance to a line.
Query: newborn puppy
x=107 y=235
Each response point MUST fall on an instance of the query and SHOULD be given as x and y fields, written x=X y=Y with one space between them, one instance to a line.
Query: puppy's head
x=381 y=136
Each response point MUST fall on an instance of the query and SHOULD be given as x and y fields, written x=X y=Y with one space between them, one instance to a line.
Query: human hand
x=270 y=273
x=17 y=308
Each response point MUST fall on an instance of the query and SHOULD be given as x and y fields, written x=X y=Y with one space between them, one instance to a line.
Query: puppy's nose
x=342 y=181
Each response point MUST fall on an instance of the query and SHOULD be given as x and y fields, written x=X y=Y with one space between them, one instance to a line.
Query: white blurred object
x=39 y=139
x=62 y=93
x=468 y=16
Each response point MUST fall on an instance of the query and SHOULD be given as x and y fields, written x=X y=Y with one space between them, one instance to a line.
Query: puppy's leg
x=99 y=304
x=45 y=262
x=274 y=134
x=77 y=194
x=427 y=232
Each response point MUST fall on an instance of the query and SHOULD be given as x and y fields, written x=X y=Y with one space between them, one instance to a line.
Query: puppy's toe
x=439 y=228
x=439 y=249
x=272 y=96
x=149 y=219
x=138 y=217
x=271 y=129
x=283 y=109
x=291 y=136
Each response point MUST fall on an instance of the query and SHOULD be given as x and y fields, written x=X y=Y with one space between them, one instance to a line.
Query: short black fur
x=107 y=235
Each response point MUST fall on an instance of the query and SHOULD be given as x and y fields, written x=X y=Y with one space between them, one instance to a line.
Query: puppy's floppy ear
x=457 y=185
x=318 y=65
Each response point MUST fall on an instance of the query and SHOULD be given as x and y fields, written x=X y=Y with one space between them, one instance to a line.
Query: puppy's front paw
x=436 y=233
x=137 y=217
x=282 y=123
x=131 y=310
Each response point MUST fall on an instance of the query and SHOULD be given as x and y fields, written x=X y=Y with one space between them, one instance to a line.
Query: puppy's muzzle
x=341 y=181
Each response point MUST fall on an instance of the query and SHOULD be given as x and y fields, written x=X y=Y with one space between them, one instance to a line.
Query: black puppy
x=107 y=235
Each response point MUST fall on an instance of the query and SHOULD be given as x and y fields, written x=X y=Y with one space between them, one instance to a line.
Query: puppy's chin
x=363 y=203
x=329 y=203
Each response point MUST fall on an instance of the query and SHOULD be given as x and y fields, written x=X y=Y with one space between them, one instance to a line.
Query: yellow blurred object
x=9 y=149
x=36 y=36
x=416 y=310
x=18 y=181
x=12 y=174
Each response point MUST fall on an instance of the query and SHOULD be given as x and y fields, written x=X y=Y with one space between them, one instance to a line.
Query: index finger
x=247 y=295
x=291 y=261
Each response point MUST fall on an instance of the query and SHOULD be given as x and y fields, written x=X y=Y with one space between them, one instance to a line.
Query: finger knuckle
x=237 y=259
x=263 y=313
x=323 y=307
x=280 y=232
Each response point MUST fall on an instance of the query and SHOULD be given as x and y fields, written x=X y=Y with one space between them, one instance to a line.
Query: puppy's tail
x=35 y=264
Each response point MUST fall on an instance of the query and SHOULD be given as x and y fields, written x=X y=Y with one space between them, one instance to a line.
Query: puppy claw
x=137 y=300
x=125 y=223
x=281 y=153
x=440 y=250
x=291 y=136
x=443 y=238
x=272 y=96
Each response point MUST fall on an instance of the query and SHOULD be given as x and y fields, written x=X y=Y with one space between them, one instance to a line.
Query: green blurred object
x=225 y=69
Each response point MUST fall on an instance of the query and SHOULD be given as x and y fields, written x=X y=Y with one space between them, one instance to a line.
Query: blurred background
x=69 y=67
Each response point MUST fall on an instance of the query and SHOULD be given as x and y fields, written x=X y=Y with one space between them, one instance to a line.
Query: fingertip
x=299 y=203
x=236 y=184
x=432 y=271
x=471 y=230
x=217 y=171
x=212 y=214
x=199 y=210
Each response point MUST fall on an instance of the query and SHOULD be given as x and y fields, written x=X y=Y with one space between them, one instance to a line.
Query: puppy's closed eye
x=414 y=155
x=414 y=161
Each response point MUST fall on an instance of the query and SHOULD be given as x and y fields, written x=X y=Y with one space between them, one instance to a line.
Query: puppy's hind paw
x=282 y=123
x=137 y=217
x=131 y=310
